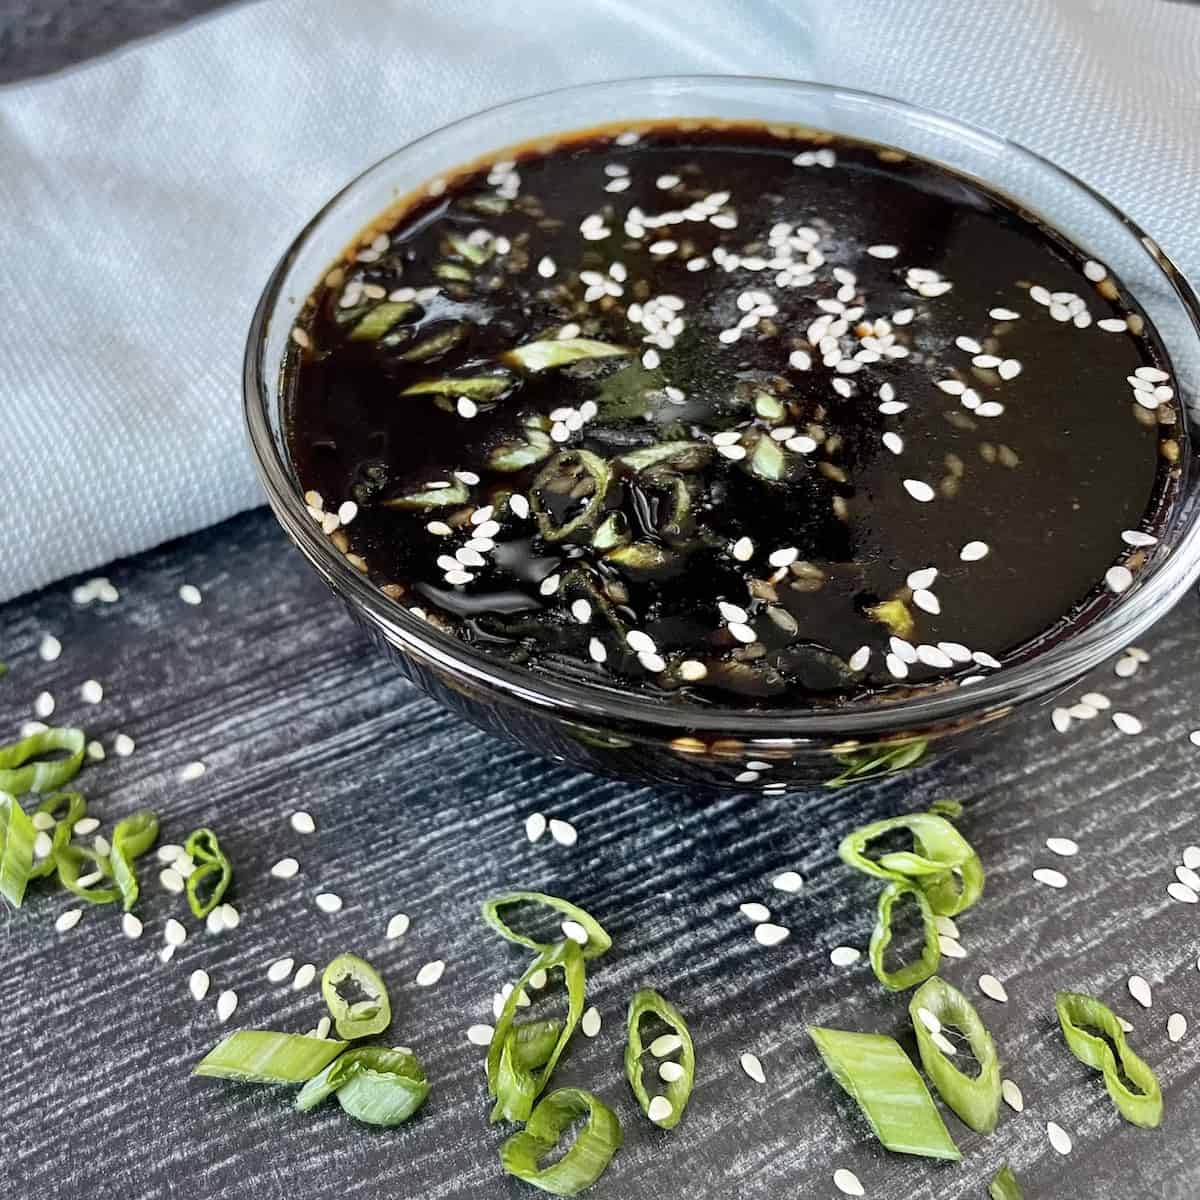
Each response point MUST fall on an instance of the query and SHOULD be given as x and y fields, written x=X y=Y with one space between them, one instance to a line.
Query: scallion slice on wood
x=19 y=775
x=54 y=804
x=911 y=973
x=16 y=849
x=71 y=861
x=260 y=1056
x=877 y=1074
x=598 y=941
x=583 y=1162
x=540 y=356
x=1004 y=1185
x=207 y=884
x=383 y=1087
x=1092 y=1030
x=369 y=1011
x=514 y=1086
x=647 y=1002
x=132 y=837
x=974 y=1098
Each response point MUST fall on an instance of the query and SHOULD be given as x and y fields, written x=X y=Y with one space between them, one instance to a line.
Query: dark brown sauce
x=1049 y=484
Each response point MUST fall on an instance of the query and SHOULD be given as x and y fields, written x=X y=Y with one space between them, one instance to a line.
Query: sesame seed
x=751 y=1065
x=666 y=1043
x=1062 y=846
x=1139 y=989
x=844 y=956
x=753 y=911
x=174 y=933
x=590 y=1022
x=969 y=345
x=549 y=585
x=1135 y=537
x=1127 y=723
x=639 y=642
x=519 y=506
x=190 y=594
x=329 y=902
x=303 y=823
x=951 y=947
x=596 y=650
x=1113 y=324
x=924 y=578
x=581 y=610
x=931 y=656
x=191 y=771
x=430 y=973
x=303 y=977
x=767 y=934
x=280 y=969
x=859 y=659
x=198 y=983
x=1176 y=1027
x=801 y=445
x=742 y=632
x=480 y=1035
x=67 y=921
x=91 y=692
x=1191 y=858
x=42 y=821
x=43 y=705
x=847 y=1182
x=1060 y=1139
x=94 y=750
x=575 y=931
x=692 y=670
x=285 y=868
x=896 y=666
x=787 y=881
x=670 y=1072
x=1181 y=892
x=49 y=648
x=1003 y=314
x=919 y=490
x=397 y=926
x=659 y=1109
x=563 y=832
x=883 y=251
x=1050 y=877
x=123 y=745
x=1124 y=667
x=226 y=1003
x=1095 y=271
x=439 y=528
x=943 y=1043
x=743 y=549
x=993 y=989
x=131 y=926
x=926 y=600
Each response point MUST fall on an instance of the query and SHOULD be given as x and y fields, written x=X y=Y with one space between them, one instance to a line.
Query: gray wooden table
x=270 y=686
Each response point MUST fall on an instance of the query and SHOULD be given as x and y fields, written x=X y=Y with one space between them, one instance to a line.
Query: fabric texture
x=144 y=199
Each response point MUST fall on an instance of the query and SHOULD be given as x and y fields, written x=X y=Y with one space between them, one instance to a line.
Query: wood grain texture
x=271 y=686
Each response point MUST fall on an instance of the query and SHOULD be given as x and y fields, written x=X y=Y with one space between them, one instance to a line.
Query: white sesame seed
x=847 y=1182
x=575 y=931
x=1062 y=846
x=214 y=923
x=746 y=777
x=42 y=845
x=640 y=643
x=896 y=666
x=168 y=852
x=549 y=585
x=93 y=750
x=1127 y=723
x=430 y=973
x=480 y=1035
x=1139 y=989
x=397 y=926
x=329 y=902
x=664 y=1044
x=280 y=969
x=951 y=947
x=670 y=1072
x=1181 y=892
x=42 y=821
x=991 y=987
x=131 y=927
x=91 y=692
x=581 y=610
x=931 y=656
x=767 y=934
x=563 y=832
x=1176 y=1027
x=787 y=881
x=883 y=251
x=659 y=1109
x=1191 y=858
x=535 y=824
x=742 y=632
x=174 y=933
x=801 y=444
x=692 y=670
x=1124 y=667
x=590 y=1022
x=303 y=977
x=924 y=578
x=226 y=1003
x=49 y=648
x=1187 y=876
x=190 y=594
x=285 y=868
x=753 y=911
x=439 y=528
x=191 y=771
x=1118 y=578
x=919 y=490
x=43 y=705
x=844 y=956
x=1060 y=1140
x=1113 y=324
x=67 y=921
x=198 y=983
x=1095 y=271
x=1050 y=877
x=303 y=823
x=969 y=345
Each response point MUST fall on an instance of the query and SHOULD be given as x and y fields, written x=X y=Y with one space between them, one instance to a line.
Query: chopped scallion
x=912 y=973
x=370 y=1011
x=132 y=837
x=1004 y=1185
x=261 y=1056
x=558 y=352
x=17 y=835
x=207 y=884
x=598 y=941
x=70 y=861
x=76 y=810
x=647 y=1002
x=19 y=775
x=384 y=1087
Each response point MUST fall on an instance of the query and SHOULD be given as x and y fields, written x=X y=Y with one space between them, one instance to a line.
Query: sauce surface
x=740 y=418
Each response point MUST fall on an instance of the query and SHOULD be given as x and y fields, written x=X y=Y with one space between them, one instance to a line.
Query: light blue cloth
x=144 y=199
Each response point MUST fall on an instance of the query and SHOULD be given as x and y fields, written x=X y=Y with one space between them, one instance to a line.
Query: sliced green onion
x=449 y=497
x=912 y=973
x=881 y=1079
x=768 y=460
x=131 y=838
x=975 y=1099
x=453 y=272
x=895 y=615
x=442 y=339
x=950 y=809
x=1004 y=1185
x=598 y=941
x=477 y=387
x=384 y=1087
x=643 y=560
x=647 y=1001
x=683 y=456
x=515 y=1087
x=769 y=407
x=1086 y=1023
x=473 y=252
x=207 y=884
x=76 y=810
x=879 y=759
x=260 y=1056
x=18 y=775
x=16 y=849
x=380 y=319
x=361 y=1017
x=71 y=860
x=539 y=356
x=566 y=474
x=583 y=1162
x=533 y=1042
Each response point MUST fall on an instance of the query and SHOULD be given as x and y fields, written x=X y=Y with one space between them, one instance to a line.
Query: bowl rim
x=1044 y=671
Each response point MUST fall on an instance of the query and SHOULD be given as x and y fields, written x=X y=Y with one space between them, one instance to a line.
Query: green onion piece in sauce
x=975 y=1099
x=647 y=1002
x=207 y=884
x=19 y=775
x=514 y=1086
x=76 y=810
x=558 y=352
x=477 y=387
x=450 y=497
x=370 y=1011
x=260 y=1056
x=1092 y=1030
x=1004 y=1185
x=71 y=861
x=912 y=973
x=16 y=849
x=564 y=475
x=131 y=838
x=876 y=1073
x=598 y=941
x=584 y=1160
x=380 y=319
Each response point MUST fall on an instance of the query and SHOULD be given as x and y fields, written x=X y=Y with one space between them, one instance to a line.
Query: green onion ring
x=571 y=464
x=131 y=838
x=16 y=849
x=70 y=861
x=205 y=851
x=260 y=1056
x=76 y=809
x=515 y=1087
x=974 y=1099
x=598 y=941
x=876 y=1073
x=18 y=775
x=647 y=1001
x=1004 y=1185
x=584 y=1161
x=359 y=1018
x=912 y=973
x=1078 y=1015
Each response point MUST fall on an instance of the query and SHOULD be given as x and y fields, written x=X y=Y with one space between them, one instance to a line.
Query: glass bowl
x=599 y=727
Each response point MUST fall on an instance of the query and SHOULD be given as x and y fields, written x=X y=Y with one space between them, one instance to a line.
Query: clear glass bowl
x=599 y=727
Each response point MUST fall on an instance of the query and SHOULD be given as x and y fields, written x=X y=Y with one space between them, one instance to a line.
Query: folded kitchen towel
x=145 y=198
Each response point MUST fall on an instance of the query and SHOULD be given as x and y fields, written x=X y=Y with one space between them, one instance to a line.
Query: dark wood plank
x=270 y=685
